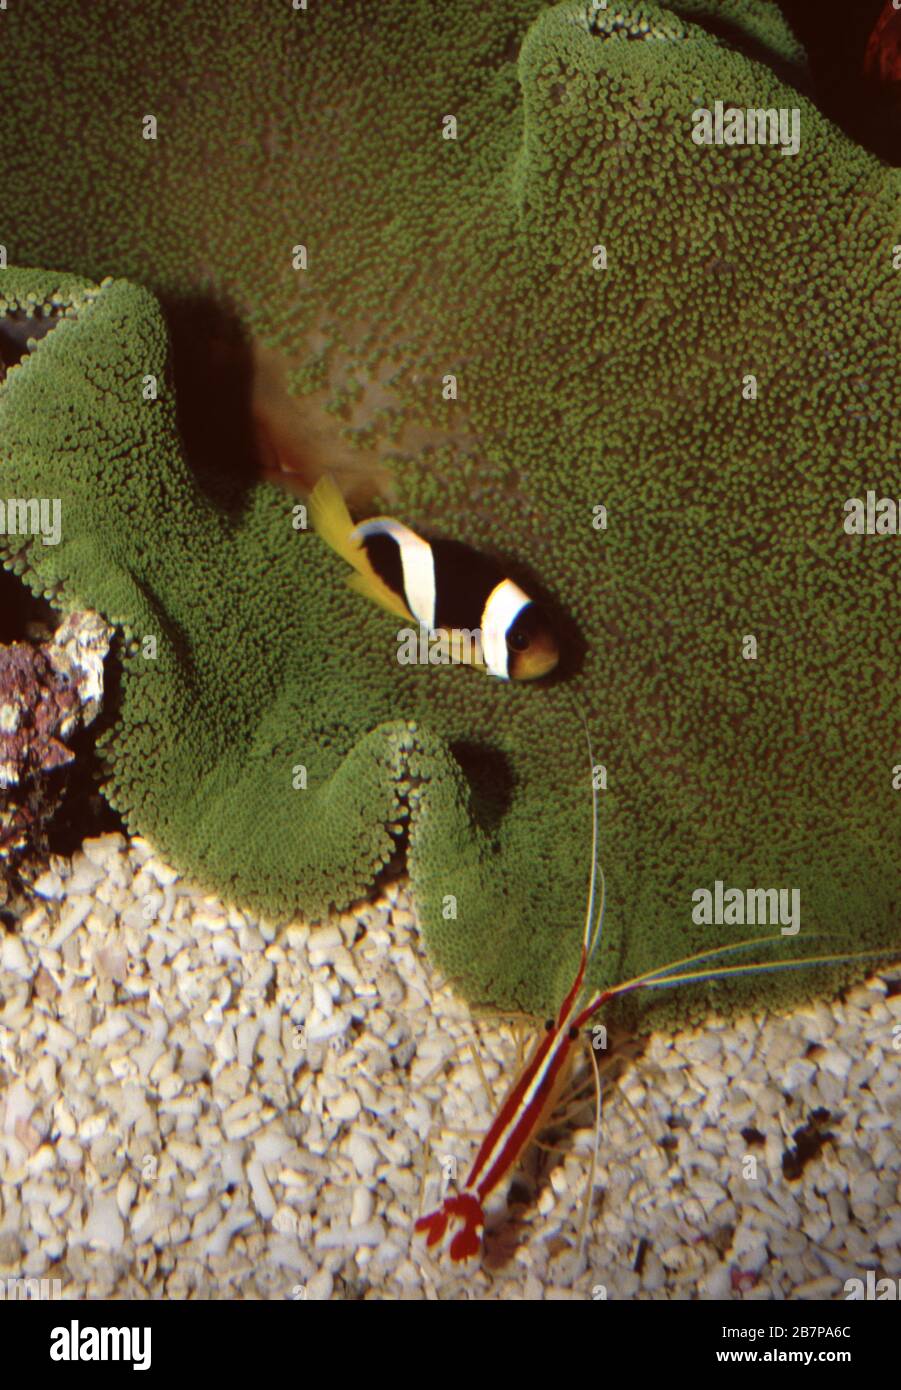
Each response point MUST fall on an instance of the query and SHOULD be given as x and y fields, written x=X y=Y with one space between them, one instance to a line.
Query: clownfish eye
x=517 y=641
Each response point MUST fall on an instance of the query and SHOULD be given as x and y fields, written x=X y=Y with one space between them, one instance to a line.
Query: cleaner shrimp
x=535 y=1091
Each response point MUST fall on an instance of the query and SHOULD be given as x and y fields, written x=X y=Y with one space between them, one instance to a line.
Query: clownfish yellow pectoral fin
x=367 y=582
x=332 y=522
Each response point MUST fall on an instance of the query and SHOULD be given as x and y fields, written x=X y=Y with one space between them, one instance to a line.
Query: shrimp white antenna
x=591 y=938
x=600 y=924
x=587 y=939
x=586 y=1210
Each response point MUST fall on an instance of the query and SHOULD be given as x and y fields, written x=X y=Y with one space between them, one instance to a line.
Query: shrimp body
x=518 y=1120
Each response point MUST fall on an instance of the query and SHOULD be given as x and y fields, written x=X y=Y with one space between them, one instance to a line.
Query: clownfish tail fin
x=332 y=522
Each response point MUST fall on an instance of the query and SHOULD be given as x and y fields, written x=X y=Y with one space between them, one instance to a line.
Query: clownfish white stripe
x=417 y=561
x=502 y=607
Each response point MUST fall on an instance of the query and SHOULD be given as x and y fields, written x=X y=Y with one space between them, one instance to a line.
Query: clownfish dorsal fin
x=332 y=522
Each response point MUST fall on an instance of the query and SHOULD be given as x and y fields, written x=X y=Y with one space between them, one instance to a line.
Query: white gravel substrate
x=194 y=1103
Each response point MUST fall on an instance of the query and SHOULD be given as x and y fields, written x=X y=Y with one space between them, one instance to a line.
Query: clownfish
x=442 y=585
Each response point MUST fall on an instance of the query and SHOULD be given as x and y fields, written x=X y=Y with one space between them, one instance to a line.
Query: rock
x=836 y=1062
x=14 y=957
x=263 y=1199
x=319 y=1288
x=345 y=1106
x=363 y=1154
x=48 y=885
x=47 y=693
x=104 y=1228
x=10 y=1250
x=361 y=1207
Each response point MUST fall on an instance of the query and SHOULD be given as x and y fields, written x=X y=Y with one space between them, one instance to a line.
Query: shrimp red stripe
x=512 y=1125
x=510 y=1132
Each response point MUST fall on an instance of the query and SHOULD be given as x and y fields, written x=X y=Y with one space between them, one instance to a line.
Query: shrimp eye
x=549 y=1025
x=573 y=1034
x=517 y=641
